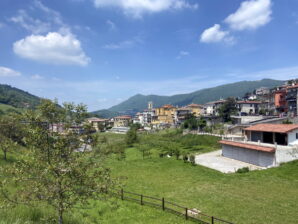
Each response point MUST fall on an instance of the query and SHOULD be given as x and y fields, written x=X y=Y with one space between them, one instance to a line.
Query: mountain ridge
x=139 y=102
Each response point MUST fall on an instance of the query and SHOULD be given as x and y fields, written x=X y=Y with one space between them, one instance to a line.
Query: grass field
x=268 y=196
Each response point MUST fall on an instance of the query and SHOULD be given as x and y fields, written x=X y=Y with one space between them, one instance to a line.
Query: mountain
x=238 y=89
x=17 y=98
x=104 y=113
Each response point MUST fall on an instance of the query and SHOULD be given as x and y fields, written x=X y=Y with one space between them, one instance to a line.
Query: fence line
x=189 y=214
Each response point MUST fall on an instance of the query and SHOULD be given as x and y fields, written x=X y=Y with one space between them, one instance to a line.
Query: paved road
x=215 y=161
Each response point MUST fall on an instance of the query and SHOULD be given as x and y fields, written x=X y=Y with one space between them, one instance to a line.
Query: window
x=296 y=135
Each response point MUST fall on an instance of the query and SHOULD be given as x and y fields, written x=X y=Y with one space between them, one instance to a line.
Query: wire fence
x=182 y=211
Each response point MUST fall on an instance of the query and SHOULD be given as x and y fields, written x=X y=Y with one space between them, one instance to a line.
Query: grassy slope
x=268 y=196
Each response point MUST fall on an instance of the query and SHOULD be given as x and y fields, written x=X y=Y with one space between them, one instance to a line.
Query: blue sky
x=101 y=52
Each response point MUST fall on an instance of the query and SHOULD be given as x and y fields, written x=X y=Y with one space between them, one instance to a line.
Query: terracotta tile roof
x=168 y=106
x=277 y=128
x=247 y=146
x=96 y=119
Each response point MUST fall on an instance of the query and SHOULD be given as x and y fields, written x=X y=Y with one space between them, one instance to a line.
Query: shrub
x=243 y=170
x=192 y=159
x=185 y=158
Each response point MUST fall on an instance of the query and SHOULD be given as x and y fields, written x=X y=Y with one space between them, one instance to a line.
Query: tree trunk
x=5 y=156
x=60 y=221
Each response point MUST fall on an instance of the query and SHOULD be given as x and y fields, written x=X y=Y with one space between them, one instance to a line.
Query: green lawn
x=268 y=196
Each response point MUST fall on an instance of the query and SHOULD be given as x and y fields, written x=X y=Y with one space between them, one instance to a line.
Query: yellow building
x=196 y=109
x=164 y=115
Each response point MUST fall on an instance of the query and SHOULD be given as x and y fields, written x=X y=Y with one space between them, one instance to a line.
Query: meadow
x=268 y=196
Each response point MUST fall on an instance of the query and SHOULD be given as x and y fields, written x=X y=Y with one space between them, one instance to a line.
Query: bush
x=185 y=158
x=192 y=159
x=243 y=170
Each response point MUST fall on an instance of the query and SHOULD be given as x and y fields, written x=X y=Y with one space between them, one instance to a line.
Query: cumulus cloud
x=137 y=8
x=250 y=15
x=215 y=34
x=53 y=48
x=8 y=72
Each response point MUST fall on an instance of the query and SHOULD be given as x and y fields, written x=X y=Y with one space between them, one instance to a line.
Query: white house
x=265 y=145
x=248 y=107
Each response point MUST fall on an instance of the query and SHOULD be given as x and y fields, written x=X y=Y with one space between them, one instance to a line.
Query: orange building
x=280 y=101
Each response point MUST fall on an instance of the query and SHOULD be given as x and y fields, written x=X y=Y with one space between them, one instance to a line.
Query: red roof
x=248 y=146
x=168 y=106
x=277 y=128
x=194 y=105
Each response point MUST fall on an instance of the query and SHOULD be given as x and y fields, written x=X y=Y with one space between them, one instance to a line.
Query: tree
x=131 y=136
x=9 y=134
x=145 y=150
x=202 y=123
x=227 y=109
x=53 y=169
x=190 y=122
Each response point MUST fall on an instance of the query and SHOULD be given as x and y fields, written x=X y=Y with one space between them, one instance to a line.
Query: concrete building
x=265 y=145
x=280 y=101
x=181 y=115
x=122 y=121
x=211 y=108
x=98 y=124
x=248 y=107
x=291 y=99
x=164 y=115
x=196 y=109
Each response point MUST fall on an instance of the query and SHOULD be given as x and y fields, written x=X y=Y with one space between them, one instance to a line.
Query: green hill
x=238 y=89
x=17 y=98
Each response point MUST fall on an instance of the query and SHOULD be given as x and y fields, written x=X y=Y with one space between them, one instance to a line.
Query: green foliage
x=139 y=102
x=131 y=137
x=243 y=170
x=192 y=160
x=191 y=122
x=227 y=109
x=52 y=171
x=287 y=122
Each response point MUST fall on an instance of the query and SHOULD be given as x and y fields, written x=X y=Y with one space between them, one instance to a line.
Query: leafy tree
x=53 y=169
x=190 y=122
x=227 y=109
x=145 y=150
x=287 y=122
x=131 y=136
x=10 y=134
x=202 y=123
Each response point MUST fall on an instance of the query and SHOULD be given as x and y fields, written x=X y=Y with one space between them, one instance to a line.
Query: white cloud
x=40 y=20
x=182 y=54
x=53 y=48
x=124 y=44
x=137 y=8
x=36 y=77
x=214 y=34
x=112 y=26
x=8 y=72
x=250 y=15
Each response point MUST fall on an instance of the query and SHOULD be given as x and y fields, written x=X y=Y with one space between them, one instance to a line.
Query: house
x=291 y=99
x=280 y=101
x=181 y=114
x=265 y=145
x=262 y=91
x=122 y=121
x=196 y=109
x=164 y=115
x=248 y=107
x=211 y=108
x=98 y=124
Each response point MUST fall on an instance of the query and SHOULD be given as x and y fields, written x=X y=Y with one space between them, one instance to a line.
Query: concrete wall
x=258 y=158
x=292 y=138
x=286 y=154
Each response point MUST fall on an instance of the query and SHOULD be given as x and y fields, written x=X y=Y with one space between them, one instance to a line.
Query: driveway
x=216 y=161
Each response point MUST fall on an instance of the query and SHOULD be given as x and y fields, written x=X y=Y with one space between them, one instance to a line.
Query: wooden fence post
x=186 y=215
x=141 y=199
x=122 y=194
x=163 y=203
x=212 y=220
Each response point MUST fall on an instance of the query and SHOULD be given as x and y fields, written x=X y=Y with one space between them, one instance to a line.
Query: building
x=264 y=145
x=262 y=91
x=122 y=121
x=195 y=109
x=164 y=115
x=280 y=101
x=98 y=124
x=211 y=108
x=248 y=107
x=291 y=99
x=181 y=115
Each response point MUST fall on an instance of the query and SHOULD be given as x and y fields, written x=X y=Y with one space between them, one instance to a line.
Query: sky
x=101 y=52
